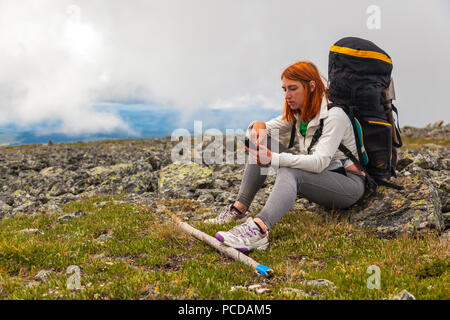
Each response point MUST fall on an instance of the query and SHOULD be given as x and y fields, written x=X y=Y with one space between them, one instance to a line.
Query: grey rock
x=32 y=231
x=234 y=288
x=183 y=180
x=206 y=198
x=76 y=214
x=66 y=217
x=33 y=283
x=318 y=283
x=103 y=237
x=43 y=275
x=256 y=288
x=262 y=291
x=445 y=236
x=446 y=217
x=220 y=184
x=298 y=292
x=224 y=197
x=79 y=213
x=439 y=132
x=404 y=295
x=416 y=208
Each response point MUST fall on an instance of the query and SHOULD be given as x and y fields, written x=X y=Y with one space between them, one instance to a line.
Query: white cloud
x=243 y=102
x=59 y=58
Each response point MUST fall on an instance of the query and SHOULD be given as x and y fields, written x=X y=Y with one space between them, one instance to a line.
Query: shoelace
x=244 y=230
x=225 y=214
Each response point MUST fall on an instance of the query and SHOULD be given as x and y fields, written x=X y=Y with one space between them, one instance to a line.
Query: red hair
x=305 y=72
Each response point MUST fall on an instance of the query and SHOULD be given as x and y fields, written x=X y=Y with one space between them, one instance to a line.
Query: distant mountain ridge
x=148 y=123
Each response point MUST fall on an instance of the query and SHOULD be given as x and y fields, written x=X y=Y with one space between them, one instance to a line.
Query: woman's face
x=294 y=93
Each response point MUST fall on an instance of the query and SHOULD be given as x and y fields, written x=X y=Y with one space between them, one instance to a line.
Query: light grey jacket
x=337 y=128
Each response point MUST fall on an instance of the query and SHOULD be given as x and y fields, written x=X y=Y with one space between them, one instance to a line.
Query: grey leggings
x=328 y=188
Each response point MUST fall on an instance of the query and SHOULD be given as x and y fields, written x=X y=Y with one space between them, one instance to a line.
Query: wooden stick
x=228 y=251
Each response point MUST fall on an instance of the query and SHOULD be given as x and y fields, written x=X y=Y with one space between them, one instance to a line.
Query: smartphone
x=250 y=144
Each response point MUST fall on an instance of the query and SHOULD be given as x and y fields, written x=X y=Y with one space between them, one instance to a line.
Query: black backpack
x=359 y=75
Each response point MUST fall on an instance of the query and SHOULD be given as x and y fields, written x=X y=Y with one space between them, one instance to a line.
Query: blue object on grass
x=264 y=270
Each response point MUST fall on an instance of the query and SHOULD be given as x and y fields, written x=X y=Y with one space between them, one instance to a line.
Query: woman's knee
x=287 y=176
x=286 y=172
x=293 y=174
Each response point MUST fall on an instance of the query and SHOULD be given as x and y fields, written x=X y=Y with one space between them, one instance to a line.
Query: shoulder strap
x=291 y=141
x=314 y=139
x=370 y=182
x=351 y=115
x=316 y=136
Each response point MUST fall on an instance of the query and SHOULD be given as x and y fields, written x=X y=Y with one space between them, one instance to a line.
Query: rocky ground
x=42 y=178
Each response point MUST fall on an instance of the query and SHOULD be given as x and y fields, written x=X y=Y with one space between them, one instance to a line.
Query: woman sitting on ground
x=314 y=176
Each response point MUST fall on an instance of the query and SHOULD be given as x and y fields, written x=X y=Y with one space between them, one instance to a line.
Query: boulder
x=43 y=275
x=404 y=295
x=182 y=180
x=318 y=283
x=418 y=207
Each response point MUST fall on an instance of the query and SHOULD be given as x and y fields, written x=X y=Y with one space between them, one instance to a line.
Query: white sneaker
x=227 y=215
x=245 y=237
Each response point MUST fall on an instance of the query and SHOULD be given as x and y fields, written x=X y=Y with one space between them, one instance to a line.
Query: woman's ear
x=312 y=85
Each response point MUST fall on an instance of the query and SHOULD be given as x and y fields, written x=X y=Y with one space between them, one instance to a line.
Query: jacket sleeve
x=333 y=132
x=276 y=123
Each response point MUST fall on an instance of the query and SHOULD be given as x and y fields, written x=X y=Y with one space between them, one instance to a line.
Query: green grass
x=417 y=143
x=147 y=257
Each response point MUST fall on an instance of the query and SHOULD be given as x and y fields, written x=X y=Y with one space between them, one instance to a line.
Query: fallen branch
x=228 y=251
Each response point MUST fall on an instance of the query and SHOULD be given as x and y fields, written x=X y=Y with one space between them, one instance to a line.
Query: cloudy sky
x=61 y=59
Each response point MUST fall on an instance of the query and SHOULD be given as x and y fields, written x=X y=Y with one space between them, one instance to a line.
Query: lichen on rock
x=184 y=179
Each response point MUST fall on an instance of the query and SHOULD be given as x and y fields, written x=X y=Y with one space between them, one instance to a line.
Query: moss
x=422 y=141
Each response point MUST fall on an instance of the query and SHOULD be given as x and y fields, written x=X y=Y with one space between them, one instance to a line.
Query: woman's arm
x=276 y=123
x=333 y=132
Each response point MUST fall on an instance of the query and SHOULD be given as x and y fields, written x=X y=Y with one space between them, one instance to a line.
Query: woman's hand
x=258 y=132
x=263 y=156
